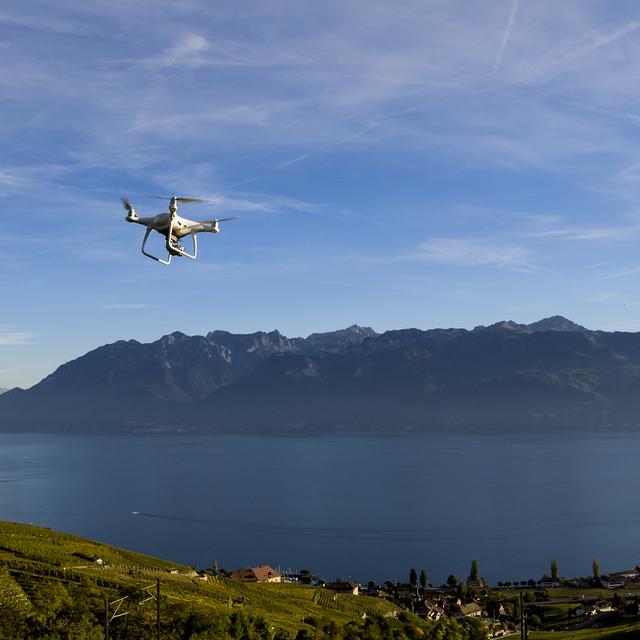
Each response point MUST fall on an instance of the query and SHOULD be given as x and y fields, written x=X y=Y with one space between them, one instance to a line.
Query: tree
x=595 y=565
x=474 y=575
x=413 y=577
x=452 y=580
x=216 y=569
x=240 y=624
x=534 y=621
x=618 y=601
x=424 y=579
x=517 y=610
x=554 y=569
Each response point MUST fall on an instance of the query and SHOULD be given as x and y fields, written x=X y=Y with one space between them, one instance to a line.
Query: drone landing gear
x=177 y=249
x=149 y=255
x=173 y=248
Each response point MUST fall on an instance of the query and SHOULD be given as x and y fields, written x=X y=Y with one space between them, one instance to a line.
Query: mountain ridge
x=551 y=373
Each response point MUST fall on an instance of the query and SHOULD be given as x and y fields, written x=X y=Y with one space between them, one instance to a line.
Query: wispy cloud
x=288 y=163
x=11 y=180
x=555 y=228
x=10 y=338
x=605 y=39
x=591 y=233
x=622 y=273
x=46 y=24
x=188 y=52
x=474 y=252
x=125 y=305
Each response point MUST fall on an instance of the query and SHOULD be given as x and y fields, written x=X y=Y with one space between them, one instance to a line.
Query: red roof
x=263 y=573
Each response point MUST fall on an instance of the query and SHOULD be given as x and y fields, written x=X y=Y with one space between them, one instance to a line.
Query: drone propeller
x=127 y=205
x=223 y=219
x=177 y=199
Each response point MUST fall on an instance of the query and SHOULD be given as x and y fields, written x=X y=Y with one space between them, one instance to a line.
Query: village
x=508 y=608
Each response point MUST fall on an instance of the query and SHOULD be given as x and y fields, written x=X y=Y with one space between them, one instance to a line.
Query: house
x=550 y=583
x=339 y=586
x=405 y=591
x=631 y=574
x=173 y=571
x=430 y=610
x=263 y=573
x=471 y=610
x=578 y=583
x=612 y=582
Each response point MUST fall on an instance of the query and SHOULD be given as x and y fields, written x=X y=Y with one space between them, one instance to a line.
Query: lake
x=357 y=507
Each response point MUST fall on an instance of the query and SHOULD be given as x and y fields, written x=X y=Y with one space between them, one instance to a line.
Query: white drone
x=173 y=227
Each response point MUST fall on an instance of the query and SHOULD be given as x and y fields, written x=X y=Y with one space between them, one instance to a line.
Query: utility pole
x=106 y=618
x=149 y=592
x=158 y=608
x=116 y=613
x=524 y=629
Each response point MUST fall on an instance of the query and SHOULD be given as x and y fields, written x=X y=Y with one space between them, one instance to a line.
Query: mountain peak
x=504 y=325
x=354 y=329
x=341 y=338
x=172 y=338
x=556 y=323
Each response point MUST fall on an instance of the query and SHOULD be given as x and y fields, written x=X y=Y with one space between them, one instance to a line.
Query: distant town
x=507 y=608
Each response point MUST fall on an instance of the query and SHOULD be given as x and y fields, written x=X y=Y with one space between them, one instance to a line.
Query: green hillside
x=54 y=585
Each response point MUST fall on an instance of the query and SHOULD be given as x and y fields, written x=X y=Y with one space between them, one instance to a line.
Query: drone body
x=173 y=227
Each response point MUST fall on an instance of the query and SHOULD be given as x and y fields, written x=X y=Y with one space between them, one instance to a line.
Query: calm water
x=360 y=507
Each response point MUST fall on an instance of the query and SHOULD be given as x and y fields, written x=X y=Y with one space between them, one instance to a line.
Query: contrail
x=507 y=32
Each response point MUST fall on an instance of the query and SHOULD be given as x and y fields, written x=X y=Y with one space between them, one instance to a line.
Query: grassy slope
x=29 y=555
x=630 y=631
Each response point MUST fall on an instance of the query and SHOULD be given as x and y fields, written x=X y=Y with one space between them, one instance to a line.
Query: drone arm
x=149 y=255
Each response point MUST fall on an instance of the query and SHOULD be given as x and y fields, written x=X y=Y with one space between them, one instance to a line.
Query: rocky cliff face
x=550 y=373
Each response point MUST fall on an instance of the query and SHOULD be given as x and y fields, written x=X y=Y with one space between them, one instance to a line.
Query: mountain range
x=552 y=373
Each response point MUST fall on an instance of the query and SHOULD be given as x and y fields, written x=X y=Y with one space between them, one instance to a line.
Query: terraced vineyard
x=32 y=556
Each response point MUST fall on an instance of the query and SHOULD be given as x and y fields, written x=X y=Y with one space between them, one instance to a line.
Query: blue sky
x=414 y=164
